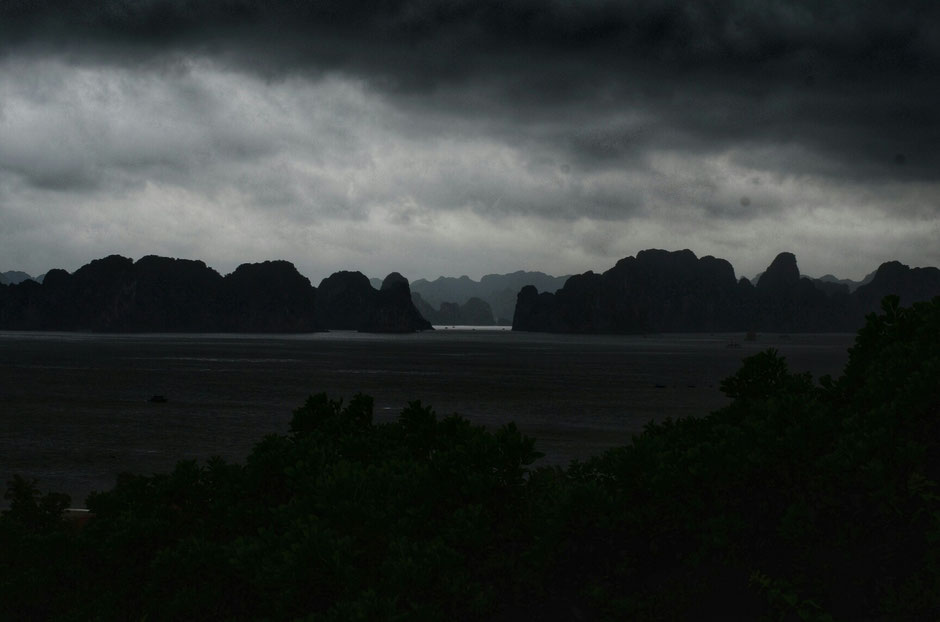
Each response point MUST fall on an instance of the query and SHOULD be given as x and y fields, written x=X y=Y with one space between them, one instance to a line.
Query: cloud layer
x=467 y=137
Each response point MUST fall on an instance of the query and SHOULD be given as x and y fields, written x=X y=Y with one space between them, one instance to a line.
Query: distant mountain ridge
x=13 y=277
x=161 y=294
x=663 y=291
x=497 y=290
x=852 y=285
x=474 y=312
x=828 y=281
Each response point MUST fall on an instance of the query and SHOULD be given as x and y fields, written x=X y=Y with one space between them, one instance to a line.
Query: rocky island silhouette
x=655 y=291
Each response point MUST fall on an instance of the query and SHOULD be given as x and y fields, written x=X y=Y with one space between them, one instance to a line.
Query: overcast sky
x=468 y=137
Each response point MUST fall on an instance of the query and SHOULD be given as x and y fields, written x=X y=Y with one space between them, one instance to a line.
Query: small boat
x=157 y=399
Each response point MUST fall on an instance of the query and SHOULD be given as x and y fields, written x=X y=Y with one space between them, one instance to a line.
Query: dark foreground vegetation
x=798 y=501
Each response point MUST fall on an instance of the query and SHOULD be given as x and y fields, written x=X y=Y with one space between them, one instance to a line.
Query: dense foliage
x=796 y=501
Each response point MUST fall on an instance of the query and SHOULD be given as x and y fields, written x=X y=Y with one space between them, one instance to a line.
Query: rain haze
x=469 y=137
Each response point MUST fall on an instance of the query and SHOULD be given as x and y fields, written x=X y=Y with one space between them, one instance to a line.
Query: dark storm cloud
x=892 y=35
x=839 y=76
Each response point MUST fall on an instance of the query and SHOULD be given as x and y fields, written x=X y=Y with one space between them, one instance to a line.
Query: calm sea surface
x=74 y=409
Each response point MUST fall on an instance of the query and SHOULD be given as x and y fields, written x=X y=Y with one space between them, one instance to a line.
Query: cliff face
x=784 y=301
x=159 y=294
x=654 y=291
x=781 y=277
x=538 y=312
x=93 y=298
x=393 y=310
x=116 y=294
x=269 y=297
x=661 y=291
x=893 y=277
x=345 y=300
